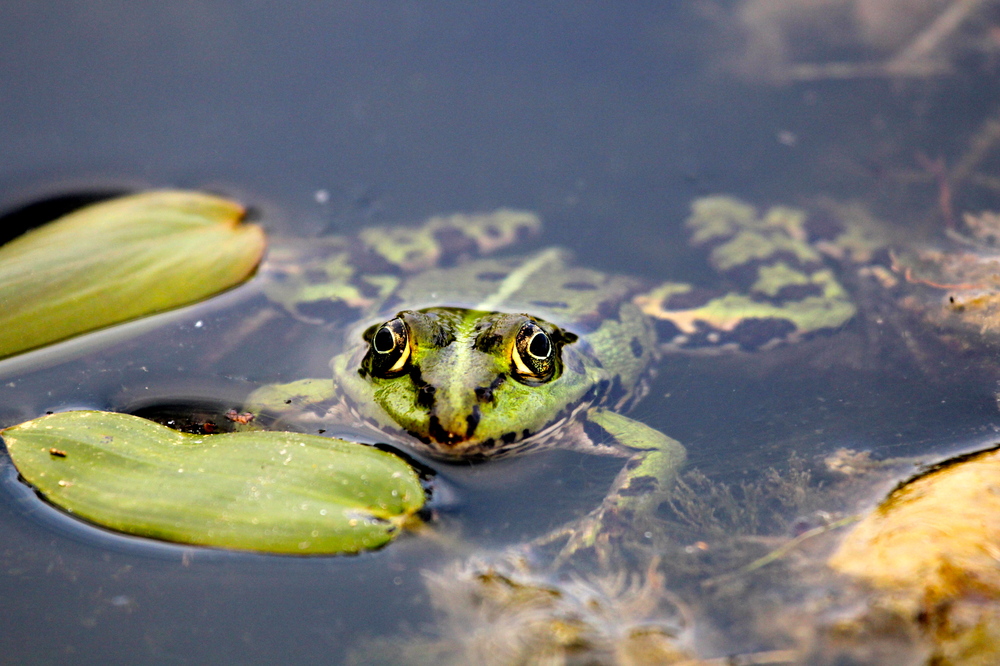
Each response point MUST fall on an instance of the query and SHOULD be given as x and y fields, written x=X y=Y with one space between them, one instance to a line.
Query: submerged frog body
x=464 y=357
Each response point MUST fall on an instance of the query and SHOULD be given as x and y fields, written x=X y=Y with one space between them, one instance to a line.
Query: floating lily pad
x=120 y=260
x=277 y=492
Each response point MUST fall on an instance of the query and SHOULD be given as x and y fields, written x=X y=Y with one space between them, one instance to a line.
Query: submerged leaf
x=118 y=260
x=277 y=492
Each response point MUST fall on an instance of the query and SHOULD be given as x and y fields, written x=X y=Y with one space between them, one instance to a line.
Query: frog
x=459 y=348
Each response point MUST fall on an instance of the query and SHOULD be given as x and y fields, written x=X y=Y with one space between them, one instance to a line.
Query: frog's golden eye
x=389 y=348
x=533 y=357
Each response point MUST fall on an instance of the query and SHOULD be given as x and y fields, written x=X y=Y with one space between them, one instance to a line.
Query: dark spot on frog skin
x=751 y=334
x=822 y=225
x=609 y=392
x=634 y=395
x=883 y=257
x=690 y=300
x=584 y=346
x=640 y=485
x=442 y=338
x=487 y=444
x=616 y=391
x=488 y=342
x=508 y=437
x=472 y=420
x=666 y=330
x=580 y=286
x=597 y=435
x=636 y=347
x=607 y=310
x=425 y=392
x=366 y=288
x=369 y=262
x=625 y=516
x=797 y=292
x=491 y=276
x=525 y=434
x=704 y=336
x=454 y=244
x=550 y=304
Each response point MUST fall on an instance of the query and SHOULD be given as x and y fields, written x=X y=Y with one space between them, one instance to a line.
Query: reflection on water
x=608 y=124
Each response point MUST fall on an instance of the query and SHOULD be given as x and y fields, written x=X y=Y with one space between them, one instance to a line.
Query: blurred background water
x=607 y=119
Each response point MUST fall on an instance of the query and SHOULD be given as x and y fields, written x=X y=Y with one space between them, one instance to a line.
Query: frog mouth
x=452 y=442
x=445 y=437
x=448 y=445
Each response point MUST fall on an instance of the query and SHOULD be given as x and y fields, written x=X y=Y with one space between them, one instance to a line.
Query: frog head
x=465 y=383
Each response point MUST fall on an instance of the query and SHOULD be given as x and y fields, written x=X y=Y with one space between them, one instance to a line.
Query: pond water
x=606 y=120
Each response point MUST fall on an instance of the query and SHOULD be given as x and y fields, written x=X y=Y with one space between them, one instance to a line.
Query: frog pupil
x=539 y=347
x=384 y=341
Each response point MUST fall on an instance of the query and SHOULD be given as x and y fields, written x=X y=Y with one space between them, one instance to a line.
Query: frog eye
x=389 y=348
x=533 y=356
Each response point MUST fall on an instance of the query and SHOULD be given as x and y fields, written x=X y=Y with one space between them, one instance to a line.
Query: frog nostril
x=485 y=393
x=425 y=396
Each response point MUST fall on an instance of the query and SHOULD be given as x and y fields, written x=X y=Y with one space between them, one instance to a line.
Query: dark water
x=606 y=119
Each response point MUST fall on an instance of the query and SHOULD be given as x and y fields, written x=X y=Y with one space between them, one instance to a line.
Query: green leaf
x=119 y=260
x=277 y=492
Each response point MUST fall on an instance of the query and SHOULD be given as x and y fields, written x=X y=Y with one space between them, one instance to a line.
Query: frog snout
x=460 y=396
x=454 y=426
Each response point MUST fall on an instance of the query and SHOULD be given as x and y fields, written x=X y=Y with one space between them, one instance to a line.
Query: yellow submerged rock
x=939 y=531
x=931 y=553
